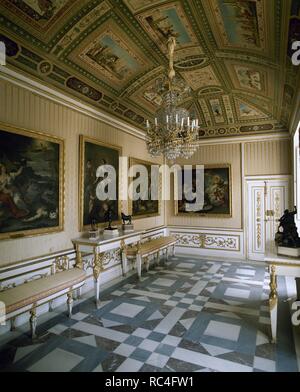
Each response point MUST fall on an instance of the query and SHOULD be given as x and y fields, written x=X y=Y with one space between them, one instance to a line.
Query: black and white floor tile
x=188 y=315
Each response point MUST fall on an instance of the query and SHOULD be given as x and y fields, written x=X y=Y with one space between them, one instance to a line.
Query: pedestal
x=127 y=228
x=113 y=232
x=290 y=252
x=93 y=234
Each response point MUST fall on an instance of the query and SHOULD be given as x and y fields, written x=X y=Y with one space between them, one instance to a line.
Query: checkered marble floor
x=188 y=315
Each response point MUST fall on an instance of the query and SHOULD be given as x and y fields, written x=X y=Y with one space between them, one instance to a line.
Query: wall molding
x=209 y=242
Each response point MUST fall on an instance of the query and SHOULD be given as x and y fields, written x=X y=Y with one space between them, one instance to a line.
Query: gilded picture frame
x=156 y=204
x=98 y=153
x=226 y=190
x=31 y=183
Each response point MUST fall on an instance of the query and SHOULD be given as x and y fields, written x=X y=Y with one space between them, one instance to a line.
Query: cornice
x=36 y=87
x=23 y=81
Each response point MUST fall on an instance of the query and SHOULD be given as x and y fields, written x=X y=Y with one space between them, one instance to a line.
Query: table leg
x=273 y=302
x=98 y=268
x=79 y=261
x=139 y=265
x=124 y=258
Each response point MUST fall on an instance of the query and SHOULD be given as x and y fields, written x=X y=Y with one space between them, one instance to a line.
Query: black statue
x=93 y=225
x=108 y=216
x=287 y=232
x=126 y=218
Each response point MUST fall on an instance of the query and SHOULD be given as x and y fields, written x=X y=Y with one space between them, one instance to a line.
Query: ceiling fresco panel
x=41 y=18
x=165 y=19
x=202 y=77
x=240 y=24
x=234 y=54
x=111 y=55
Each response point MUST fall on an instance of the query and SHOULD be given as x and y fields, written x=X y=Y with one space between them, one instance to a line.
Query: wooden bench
x=28 y=296
x=142 y=251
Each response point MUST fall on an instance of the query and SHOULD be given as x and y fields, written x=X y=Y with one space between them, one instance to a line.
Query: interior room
x=149 y=186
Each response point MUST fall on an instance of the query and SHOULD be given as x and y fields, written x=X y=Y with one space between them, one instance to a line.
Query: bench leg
x=79 y=293
x=70 y=302
x=139 y=266
x=124 y=263
x=51 y=306
x=147 y=262
x=173 y=251
x=157 y=259
x=13 y=324
x=33 y=322
x=97 y=290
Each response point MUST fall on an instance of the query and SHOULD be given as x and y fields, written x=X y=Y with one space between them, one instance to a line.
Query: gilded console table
x=279 y=266
x=99 y=248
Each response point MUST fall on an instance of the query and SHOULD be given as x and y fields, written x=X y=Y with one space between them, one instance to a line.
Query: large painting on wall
x=94 y=154
x=145 y=208
x=217 y=193
x=31 y=183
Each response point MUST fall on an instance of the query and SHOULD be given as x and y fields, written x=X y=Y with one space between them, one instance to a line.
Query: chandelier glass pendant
x=174 y=133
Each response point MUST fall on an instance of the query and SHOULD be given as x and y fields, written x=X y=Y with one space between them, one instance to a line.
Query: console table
x=279 y=266
x=99 y=249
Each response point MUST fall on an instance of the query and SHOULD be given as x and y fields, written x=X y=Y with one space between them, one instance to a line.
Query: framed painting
x=94 y=154
x=31 y=183
x=217 y=193
x=145 y=208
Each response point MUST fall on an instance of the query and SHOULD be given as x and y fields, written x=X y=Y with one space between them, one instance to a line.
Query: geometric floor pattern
x=187 y=315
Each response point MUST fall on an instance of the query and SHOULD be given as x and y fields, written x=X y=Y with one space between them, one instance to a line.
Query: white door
x=265 y=204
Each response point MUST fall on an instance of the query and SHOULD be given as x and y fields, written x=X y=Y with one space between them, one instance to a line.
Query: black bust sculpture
x=287 y=232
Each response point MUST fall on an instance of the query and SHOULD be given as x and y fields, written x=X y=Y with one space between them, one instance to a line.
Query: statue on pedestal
x=108 y=216
x=287 y=234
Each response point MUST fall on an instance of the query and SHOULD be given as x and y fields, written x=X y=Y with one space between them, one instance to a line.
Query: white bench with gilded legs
x=27 y=297
x=142 y=251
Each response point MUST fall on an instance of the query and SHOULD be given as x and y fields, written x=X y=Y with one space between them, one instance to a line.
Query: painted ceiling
x=234 y=54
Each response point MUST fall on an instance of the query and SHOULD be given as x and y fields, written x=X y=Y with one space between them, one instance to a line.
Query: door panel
x=266 y=202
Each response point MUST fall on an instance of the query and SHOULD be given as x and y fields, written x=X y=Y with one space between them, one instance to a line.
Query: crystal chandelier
x=174 y=133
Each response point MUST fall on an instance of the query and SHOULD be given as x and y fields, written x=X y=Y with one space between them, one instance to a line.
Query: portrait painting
x=144 y=208
x=31 y=183
x=217 y=192
x=94 y=154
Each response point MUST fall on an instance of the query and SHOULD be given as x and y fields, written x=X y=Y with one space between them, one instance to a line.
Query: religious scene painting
x=217 y=192
x=144 y=208
x=95 y=154
x=31 y=183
